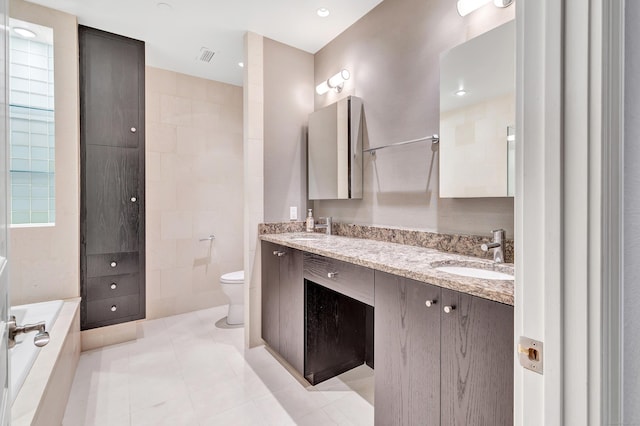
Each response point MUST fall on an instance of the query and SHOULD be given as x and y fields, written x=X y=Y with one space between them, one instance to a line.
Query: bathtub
x=24 y=353
x=42 y=398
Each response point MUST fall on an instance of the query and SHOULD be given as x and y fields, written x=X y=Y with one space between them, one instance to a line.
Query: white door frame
x=558 y=213
x=612 y=210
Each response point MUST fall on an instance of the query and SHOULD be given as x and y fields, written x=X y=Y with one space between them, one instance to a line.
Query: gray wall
x=393 y=55
x=632 y=216
x=288 y=100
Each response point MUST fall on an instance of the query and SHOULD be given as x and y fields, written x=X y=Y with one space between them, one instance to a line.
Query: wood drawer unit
x=99 y=265
x=112 y=178
x=113 y=310
x=112 y=286
x=348 y=279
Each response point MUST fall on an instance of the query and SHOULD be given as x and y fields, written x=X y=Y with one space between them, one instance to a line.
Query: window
x=31 y=125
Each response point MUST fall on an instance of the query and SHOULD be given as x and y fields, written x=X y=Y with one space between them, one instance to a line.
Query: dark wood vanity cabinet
x=112 y=139
x=437 y=367
x=283 y=302
x=476 y=361
x=407 y=377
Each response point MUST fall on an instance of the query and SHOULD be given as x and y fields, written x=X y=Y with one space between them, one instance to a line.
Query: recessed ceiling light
x=323 y=12
x=24 y=32
x=241 y=64
x=164 y=6
x=461 y=92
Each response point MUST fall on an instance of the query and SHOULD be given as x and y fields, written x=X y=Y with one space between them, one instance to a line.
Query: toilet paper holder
x=209 y=238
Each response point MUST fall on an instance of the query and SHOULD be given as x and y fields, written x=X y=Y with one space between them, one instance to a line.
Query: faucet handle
x=498 y=234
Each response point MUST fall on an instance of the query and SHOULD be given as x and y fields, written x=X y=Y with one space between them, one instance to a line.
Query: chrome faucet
x=326 y=225
x=497 y=245
x=41 y=338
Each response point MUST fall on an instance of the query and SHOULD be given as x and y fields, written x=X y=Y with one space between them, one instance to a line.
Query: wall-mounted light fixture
x=467 y=6
x=335 y=82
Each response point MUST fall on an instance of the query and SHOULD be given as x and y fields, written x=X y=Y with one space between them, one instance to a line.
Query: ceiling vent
x=205 y=55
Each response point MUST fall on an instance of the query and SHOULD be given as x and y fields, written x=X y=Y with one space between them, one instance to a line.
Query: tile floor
x=183 y=370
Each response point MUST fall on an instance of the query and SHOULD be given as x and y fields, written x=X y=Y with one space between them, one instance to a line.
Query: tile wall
x=194 y=184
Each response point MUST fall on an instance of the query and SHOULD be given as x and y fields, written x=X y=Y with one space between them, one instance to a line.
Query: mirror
x=335 y=151
x=477 y=116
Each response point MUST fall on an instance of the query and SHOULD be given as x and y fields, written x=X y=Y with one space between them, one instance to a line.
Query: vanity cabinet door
x=477 y=361
x=292 y=308
x=407 y=351
x=271 y=295
x=283 y=302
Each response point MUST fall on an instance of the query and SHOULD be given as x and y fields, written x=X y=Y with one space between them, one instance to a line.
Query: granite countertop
x=417 y=263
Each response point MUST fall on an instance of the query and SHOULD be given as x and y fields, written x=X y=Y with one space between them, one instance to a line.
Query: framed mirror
x=335 y=151
x=477 y=116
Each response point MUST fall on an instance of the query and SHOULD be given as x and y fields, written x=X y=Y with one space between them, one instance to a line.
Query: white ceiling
x=174 y=36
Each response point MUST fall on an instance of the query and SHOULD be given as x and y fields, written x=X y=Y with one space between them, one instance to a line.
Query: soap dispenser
x=310 y=221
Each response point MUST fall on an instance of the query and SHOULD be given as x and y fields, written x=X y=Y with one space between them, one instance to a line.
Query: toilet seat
x=236 y=277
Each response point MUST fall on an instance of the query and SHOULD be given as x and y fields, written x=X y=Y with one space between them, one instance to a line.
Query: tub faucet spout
x=41 y=338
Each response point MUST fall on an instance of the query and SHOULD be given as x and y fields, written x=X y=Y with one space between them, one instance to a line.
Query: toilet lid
x=236 y=277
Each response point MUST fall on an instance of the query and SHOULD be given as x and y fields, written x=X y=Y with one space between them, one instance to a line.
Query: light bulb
x=334 y=82
x=339 y=78
x=465 y=7
x=322 y=88
x=323 y=12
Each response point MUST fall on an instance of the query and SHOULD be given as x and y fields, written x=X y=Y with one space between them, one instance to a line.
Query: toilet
x=232 y=286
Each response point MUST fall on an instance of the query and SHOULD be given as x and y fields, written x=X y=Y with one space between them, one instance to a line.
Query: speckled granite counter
x=417 y=263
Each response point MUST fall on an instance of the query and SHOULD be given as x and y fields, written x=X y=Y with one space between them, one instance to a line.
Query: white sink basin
x=468 y=271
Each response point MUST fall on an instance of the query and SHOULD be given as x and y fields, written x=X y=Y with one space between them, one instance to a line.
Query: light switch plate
x=293 y=213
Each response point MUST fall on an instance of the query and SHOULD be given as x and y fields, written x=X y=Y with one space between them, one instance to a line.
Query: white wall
x=46 y=260
x=287 y=105
x=393 y=54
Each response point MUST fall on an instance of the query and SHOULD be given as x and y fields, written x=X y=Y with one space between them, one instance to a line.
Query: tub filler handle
x=41 y=338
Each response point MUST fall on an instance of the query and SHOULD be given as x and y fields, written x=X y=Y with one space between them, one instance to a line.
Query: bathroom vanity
x=441 y=344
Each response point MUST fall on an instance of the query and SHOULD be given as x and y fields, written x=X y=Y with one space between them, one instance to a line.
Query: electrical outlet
x=293 y=213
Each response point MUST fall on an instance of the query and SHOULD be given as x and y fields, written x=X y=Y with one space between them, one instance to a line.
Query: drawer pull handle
x=278 y=253
x=113 y=263
x=430 y=303
x=449 y=309
x=133 y=130
x=134 y=199
x=114 y=308
x=114 y=286
x=332 y=275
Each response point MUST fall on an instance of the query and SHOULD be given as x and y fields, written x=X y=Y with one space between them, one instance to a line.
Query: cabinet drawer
x=346 y=278
x=112 y=286
x=99 y=265
x=99 y=311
